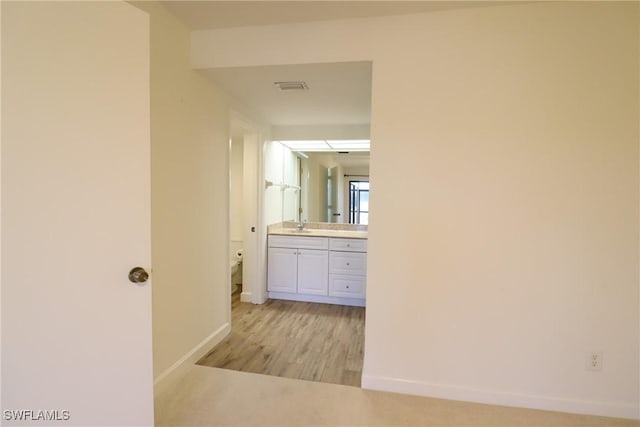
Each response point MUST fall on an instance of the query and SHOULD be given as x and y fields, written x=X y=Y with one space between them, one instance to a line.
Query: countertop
x=315 y=232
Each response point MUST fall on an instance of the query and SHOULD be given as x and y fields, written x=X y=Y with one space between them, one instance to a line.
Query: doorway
x=359 y=202
x=293 y=338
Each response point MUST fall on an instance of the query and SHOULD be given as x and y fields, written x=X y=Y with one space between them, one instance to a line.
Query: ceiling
x=339 y=93
x=201 y=15
x=355 y=160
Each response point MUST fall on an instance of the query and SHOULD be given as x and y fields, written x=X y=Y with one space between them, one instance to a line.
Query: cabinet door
x=282 y=269
x=313 y=272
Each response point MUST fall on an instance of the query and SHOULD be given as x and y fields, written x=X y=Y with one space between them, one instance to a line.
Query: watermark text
x=36 y=415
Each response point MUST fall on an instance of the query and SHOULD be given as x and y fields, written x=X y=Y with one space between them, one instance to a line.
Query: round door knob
x=138 y=275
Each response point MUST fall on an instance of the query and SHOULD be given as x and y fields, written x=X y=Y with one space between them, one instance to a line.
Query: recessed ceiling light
x=328 y=146
x=350 y=145
x=306 y=145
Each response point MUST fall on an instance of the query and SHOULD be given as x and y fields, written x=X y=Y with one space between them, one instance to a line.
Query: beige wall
x=316 y=169
x=517 y=252
x=236 y=199
x=190 y=182
x=521 y=253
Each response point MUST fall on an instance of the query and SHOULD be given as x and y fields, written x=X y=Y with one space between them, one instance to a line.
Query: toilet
x=236 y=270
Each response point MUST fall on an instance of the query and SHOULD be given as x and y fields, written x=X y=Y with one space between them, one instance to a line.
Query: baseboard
x=183 y=364
x=245 y=296
x=356 y=302
x=492 y=397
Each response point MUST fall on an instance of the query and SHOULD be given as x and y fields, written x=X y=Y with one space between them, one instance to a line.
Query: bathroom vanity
x=327 y=266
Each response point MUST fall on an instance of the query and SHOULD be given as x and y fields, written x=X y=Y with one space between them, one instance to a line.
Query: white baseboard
x=245 y=297
x=183 y=364
x=492 y=397
x=357 y=302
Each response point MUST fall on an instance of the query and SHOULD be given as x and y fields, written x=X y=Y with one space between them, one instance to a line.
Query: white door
x=76 y=333
x=313 y=272
x=282 y=269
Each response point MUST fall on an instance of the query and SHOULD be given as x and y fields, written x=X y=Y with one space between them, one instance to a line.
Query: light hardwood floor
x=307 y=341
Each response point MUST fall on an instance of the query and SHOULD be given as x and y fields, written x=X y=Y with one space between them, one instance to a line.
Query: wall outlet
x=593 y=361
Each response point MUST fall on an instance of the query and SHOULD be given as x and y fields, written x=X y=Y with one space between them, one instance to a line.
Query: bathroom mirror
x=325 y=186
x=333 y=187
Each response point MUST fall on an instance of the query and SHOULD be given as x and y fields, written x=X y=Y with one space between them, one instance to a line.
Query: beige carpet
x=218 y=397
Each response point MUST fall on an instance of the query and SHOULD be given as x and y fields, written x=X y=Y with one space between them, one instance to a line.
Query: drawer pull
x=347 y=286
x=348 y=263
x=348 y=245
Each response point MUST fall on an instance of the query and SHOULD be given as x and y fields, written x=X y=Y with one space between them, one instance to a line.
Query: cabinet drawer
x=347 y=286
x=353 y=263
x=276 y=241
x=348 y=245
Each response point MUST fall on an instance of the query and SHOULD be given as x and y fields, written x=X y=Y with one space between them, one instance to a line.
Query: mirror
x=327 y=104
x=329 y=187
x=333 y=188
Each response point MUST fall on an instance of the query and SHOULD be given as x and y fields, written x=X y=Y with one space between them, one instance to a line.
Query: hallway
x=300 y=340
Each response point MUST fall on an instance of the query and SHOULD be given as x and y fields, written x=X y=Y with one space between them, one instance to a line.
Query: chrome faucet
x=300 y=222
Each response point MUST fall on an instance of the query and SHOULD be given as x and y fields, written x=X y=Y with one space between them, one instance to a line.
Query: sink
x=296 y=231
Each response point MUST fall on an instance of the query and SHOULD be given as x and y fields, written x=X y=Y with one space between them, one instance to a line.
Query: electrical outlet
x=593 y=361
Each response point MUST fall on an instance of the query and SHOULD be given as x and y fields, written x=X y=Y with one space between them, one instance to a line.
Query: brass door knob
x=138 y=275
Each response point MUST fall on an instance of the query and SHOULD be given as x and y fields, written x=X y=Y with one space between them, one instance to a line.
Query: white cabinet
x=282 y=275
x=348 y=245
x=317 y=269
x=347 y=286
x=353 y=263
x=313 y=272
x=295 y=269
x=348 y=268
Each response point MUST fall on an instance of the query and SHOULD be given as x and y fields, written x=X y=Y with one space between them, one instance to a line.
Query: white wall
x=1 y=209
x=236 y=199
x=291 y=177
x=317 y=195
x=315 y=172
x=519 y=124
x=362 y=171
x=341 y=208
x=190 y=186
x=312 y=132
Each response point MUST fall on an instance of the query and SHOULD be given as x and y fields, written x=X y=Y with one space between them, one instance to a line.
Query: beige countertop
x=315 y=232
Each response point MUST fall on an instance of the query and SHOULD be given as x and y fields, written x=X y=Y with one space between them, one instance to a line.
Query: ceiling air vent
x=291 y=86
